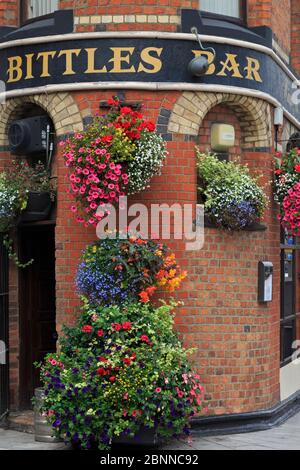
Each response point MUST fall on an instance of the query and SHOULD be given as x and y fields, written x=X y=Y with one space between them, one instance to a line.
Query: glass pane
x=221 y=7
x=41 y=7
x=288 y=336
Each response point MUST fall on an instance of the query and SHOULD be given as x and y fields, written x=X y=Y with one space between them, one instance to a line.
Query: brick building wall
x=295 y=35
x=9 y=13
x=237 y=339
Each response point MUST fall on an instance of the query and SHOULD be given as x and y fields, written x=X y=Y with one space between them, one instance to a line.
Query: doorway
x=37 y=304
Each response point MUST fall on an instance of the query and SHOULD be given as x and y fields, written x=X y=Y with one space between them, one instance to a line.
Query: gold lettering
x=118 y=59
x=45 y=61
x=29 y=66
x=150 y=60
x=230 y=65
x=210 y=57
x=252 y=69
x=91 y=62
x=69 y=59
x=14 y=69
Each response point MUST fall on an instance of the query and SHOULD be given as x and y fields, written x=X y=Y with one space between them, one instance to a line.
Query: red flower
x=87 y=329
x=100 y=333
x=112 y=378
x=101 y=372
x=297 y=168
x=107 y=139
x=145 y=339
x=113 y=102
x=136 y=413
x=278 y=172
x=116 y=326
x=150 y=126
x=126 y=110
x=127 y=325
x=127 y=361
x=102 y=359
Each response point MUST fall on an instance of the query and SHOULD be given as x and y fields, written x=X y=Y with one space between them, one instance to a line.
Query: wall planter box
x=144 y=438
x=255 y=227
x=38 y=207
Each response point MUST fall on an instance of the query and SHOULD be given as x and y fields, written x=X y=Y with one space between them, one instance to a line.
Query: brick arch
x=61 y=108
x=254 y=115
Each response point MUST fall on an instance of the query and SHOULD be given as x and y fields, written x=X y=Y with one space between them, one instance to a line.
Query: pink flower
x=158 y=389
x=74 y=209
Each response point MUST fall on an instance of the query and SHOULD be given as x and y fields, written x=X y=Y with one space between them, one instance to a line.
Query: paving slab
x=285 y=437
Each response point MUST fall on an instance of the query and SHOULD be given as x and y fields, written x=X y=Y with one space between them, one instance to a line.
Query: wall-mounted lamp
x=278 y=122
x=199 y=65
x=278 y=117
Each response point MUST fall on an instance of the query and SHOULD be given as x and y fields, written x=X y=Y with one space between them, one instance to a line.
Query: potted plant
x=36 y=187
x=121 y=374
x=26 y=194
x=233 y=199
x=116 y=155
x=287 y=189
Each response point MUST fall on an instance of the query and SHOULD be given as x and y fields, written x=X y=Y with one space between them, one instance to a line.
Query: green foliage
x=233 y=198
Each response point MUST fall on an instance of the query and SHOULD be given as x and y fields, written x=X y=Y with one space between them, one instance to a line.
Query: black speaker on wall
x=29 y=136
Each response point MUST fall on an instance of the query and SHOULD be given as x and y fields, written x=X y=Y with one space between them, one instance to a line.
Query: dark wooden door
x=37 y=305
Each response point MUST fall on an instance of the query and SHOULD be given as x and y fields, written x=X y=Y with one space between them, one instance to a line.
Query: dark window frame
x=285 y=321
x=241 y=20
x=23 y=9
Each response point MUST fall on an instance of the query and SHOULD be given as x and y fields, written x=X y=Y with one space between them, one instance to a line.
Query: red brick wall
x=155 y=8
x=237 y=340
x=295 y=40
x=9 y=13
x=273 y=13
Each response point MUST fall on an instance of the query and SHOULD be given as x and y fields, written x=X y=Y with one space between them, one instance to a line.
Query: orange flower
x=150 y=290
x=144 y=297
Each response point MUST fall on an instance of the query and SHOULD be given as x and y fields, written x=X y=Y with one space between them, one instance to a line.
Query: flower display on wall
x=116 y=155
x=121 y=368
x=287 y=189
x=232 y=197
x=117 y=270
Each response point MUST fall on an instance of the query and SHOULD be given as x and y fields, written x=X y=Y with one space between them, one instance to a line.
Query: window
x=36 y=8
x=233 y=8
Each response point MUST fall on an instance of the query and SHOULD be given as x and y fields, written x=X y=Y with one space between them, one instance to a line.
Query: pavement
x=284 y=437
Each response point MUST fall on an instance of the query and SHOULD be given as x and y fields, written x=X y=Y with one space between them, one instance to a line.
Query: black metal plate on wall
x=143 y=60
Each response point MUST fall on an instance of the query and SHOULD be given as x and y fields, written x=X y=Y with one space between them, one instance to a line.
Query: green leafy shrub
x=232 y=197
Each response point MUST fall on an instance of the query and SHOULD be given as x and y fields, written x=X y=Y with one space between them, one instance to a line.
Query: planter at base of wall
x=144 y=438
x=38 y=207
x=42 y=430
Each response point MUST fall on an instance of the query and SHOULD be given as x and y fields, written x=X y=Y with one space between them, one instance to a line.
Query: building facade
x=63 y=59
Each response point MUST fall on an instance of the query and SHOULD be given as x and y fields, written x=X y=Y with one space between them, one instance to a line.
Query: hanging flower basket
x=38 y=207
x=233 y=199
x=117 y=155
x=287 y=190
